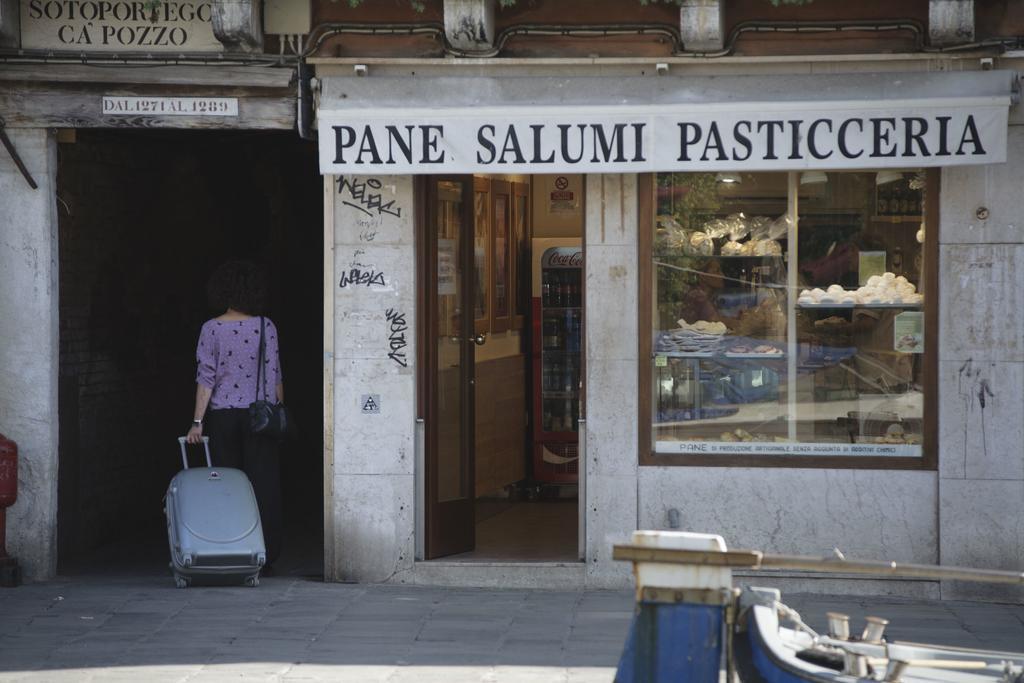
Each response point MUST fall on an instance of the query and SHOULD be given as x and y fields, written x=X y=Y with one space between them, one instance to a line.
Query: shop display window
x=788 y=318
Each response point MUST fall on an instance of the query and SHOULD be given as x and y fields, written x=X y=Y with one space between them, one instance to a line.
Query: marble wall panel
x=372 y=283
x=995 y=187
x=368 y=442
x=611 y=209
x=611 y=310
x=29 y=346
x=373 y=210
x=981 y=420
x=982 y=526
x=375 y=526
x=981 y=295
x=612 y=303
x=867 y=514
x=612 y=423
x=611 y=519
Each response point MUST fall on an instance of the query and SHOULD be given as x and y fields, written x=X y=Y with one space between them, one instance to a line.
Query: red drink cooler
x=557 y=358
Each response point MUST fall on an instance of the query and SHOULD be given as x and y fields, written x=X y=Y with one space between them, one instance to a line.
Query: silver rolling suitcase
x=213 y=524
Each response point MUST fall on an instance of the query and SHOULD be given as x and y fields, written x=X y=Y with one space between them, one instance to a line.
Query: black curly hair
x=238 y=284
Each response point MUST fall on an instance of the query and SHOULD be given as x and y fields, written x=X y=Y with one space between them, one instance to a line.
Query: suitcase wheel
x=180 y=582
x=252 y=581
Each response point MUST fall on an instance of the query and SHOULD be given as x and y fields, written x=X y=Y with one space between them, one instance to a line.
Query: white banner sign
x=118 y=26
x=773 y=448
x=827 y=135
x=170 y=106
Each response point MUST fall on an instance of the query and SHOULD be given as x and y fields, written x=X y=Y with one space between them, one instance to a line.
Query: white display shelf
x=755 y=356
x=686 y=354
x=721 y=354
x=838 y=305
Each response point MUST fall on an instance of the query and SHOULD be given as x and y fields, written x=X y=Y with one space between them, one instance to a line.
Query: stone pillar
x=374 y=378
x=28 y=345
x=981 y=371
x=612 y=399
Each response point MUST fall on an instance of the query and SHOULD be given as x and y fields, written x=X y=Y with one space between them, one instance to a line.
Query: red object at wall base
x=10 y=572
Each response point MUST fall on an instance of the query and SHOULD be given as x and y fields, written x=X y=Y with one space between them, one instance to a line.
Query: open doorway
x=145 y=217
x=502 y=390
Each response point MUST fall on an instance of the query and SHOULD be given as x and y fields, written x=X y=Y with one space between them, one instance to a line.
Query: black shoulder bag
x=265 y=417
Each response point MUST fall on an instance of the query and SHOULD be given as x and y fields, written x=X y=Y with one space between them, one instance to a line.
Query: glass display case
x=788 y=314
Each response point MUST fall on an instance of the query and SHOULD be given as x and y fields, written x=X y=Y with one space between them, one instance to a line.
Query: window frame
x=930 y=447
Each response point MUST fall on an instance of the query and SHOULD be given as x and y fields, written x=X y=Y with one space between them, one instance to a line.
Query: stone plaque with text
x=118 y=26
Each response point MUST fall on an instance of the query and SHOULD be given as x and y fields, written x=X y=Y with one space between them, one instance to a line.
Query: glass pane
x=720 y=332
x=755 y=356
x=501 y=227
x=561 y=338
x=450 y=482
x=860 y=315
x=520 y=258
x=481 y=235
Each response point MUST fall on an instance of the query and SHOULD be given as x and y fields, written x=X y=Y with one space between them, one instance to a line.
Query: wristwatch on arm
x=197 y=423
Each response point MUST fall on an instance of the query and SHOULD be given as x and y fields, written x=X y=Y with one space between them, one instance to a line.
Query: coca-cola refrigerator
x=557 y=341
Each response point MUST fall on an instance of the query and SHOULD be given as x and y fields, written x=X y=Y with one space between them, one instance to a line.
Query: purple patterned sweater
x=226 y=358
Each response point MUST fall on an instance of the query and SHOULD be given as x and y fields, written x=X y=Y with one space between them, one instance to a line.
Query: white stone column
x=374 y=377
x=28 y=346
x=981 y=370
x=612 y=373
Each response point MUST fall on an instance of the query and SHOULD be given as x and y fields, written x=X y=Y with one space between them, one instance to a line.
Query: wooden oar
x=753 y=559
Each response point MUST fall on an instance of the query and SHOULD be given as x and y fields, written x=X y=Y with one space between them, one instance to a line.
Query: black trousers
x=232 y=445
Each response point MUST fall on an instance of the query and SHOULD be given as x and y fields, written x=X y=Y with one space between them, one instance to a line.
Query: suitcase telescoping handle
x=206 y=445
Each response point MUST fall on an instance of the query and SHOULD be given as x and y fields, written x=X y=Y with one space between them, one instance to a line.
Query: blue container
x=673 y=642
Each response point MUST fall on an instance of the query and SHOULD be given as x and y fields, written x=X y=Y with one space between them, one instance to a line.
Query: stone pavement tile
x=525 y=652
x=340 y=673
x=264 y=631
x=591 y=659
x=361 y=656
x=148 y=605
x=441 y=674
x=165 y=655
x=528 y=674
x=348 y=621
x=353 y=634
x=426 y=660
x=12 y=623
x=614 y=601
x=259 y=667
x=539 y=634
x=271 y=651
x=367 y=655
x=23 y=660
x=452 y=653
x=454 y=634
x=591 y=674
x=132 y=623
x=535 y=658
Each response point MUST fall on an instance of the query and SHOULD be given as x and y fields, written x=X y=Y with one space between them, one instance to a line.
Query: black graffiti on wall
x=397 y=342
x=356 y=277
x=361 y=196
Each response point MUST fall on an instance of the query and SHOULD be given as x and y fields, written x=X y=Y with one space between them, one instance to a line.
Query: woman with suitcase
x=227 y=356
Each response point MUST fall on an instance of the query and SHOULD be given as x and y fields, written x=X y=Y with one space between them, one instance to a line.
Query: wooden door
x=447 y=403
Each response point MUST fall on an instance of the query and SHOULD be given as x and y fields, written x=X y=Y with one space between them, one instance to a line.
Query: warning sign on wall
x=562 y=197
x=370 y=404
